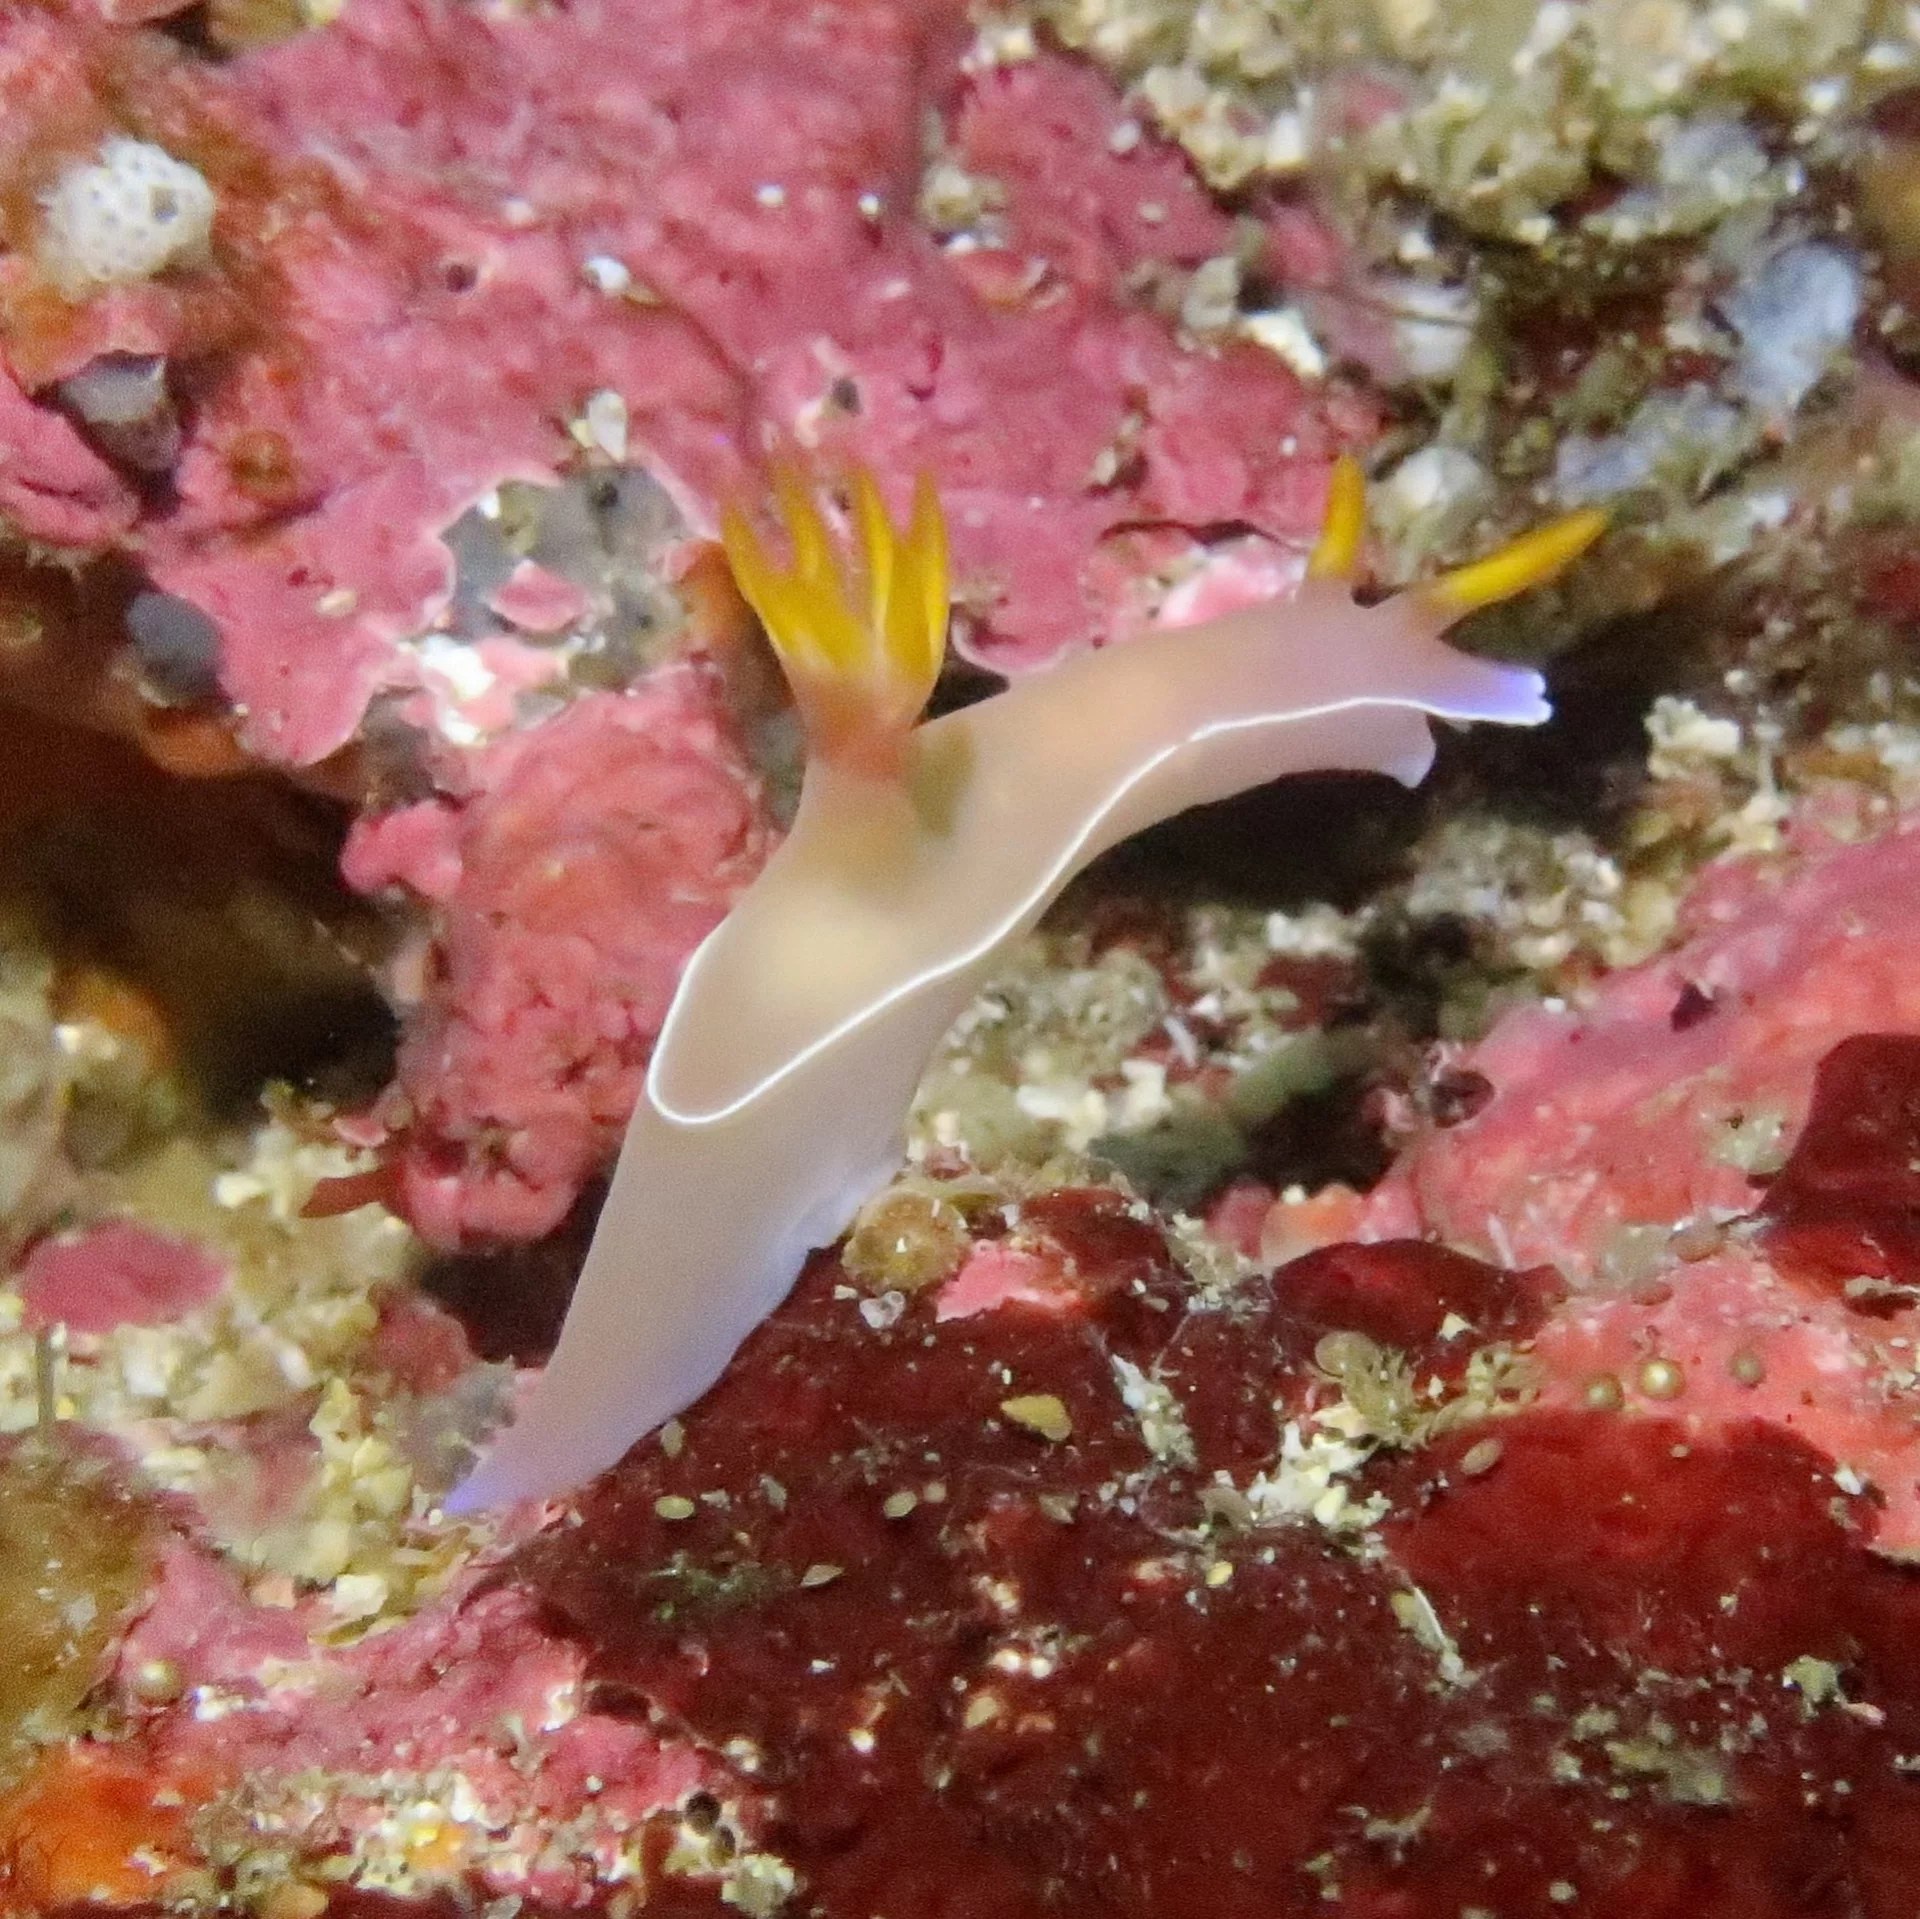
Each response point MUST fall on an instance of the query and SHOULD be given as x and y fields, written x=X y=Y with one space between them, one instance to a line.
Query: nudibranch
x=775 y=1100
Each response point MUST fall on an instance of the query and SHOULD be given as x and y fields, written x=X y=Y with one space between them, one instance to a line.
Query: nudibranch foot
x=775 y=1099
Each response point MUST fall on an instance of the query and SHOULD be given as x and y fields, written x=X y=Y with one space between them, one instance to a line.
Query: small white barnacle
x=130 y=212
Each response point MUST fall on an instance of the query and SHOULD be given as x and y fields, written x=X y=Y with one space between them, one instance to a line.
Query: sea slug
x=773 y=1104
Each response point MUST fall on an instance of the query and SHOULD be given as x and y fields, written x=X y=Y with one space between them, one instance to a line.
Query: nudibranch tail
x=861 y=654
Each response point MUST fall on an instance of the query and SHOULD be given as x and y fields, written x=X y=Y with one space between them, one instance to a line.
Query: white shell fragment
x=128 y=214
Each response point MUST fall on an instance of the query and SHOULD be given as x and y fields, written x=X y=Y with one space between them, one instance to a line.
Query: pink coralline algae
x=590 y=858
x=1685 y=1077
x=440 y=235
x=1641 y=1146
x=116 y=1274
x=434 y=1697
x=399 y=312
x=52 y=486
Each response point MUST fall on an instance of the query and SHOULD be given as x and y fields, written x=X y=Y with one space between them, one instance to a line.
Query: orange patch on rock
x=95 y=1825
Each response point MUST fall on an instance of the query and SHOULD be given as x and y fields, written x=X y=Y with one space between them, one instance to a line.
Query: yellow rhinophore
x=862 y=652
x=1519 y=566
x=1522 y=564
x=1337 y=554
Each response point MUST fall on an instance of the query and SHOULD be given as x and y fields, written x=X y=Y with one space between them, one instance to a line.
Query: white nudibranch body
x=776 y=1096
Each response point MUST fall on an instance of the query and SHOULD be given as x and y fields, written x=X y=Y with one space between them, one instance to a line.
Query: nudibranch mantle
x=774 y=1103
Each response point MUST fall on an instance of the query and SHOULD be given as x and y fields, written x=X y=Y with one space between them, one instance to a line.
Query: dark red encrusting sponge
x=971 y=1671
x=1845 y=1209
x=1403 y=1292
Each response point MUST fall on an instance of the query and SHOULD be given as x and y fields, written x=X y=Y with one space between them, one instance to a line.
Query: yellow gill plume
x=859 y=635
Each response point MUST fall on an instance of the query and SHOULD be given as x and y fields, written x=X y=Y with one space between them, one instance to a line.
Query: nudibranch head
x=860 y=635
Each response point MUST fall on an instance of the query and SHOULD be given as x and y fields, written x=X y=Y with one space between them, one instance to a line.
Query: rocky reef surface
x=1388 y=1380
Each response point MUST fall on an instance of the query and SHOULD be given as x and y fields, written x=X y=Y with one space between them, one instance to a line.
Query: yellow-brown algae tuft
x=75 y=1554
